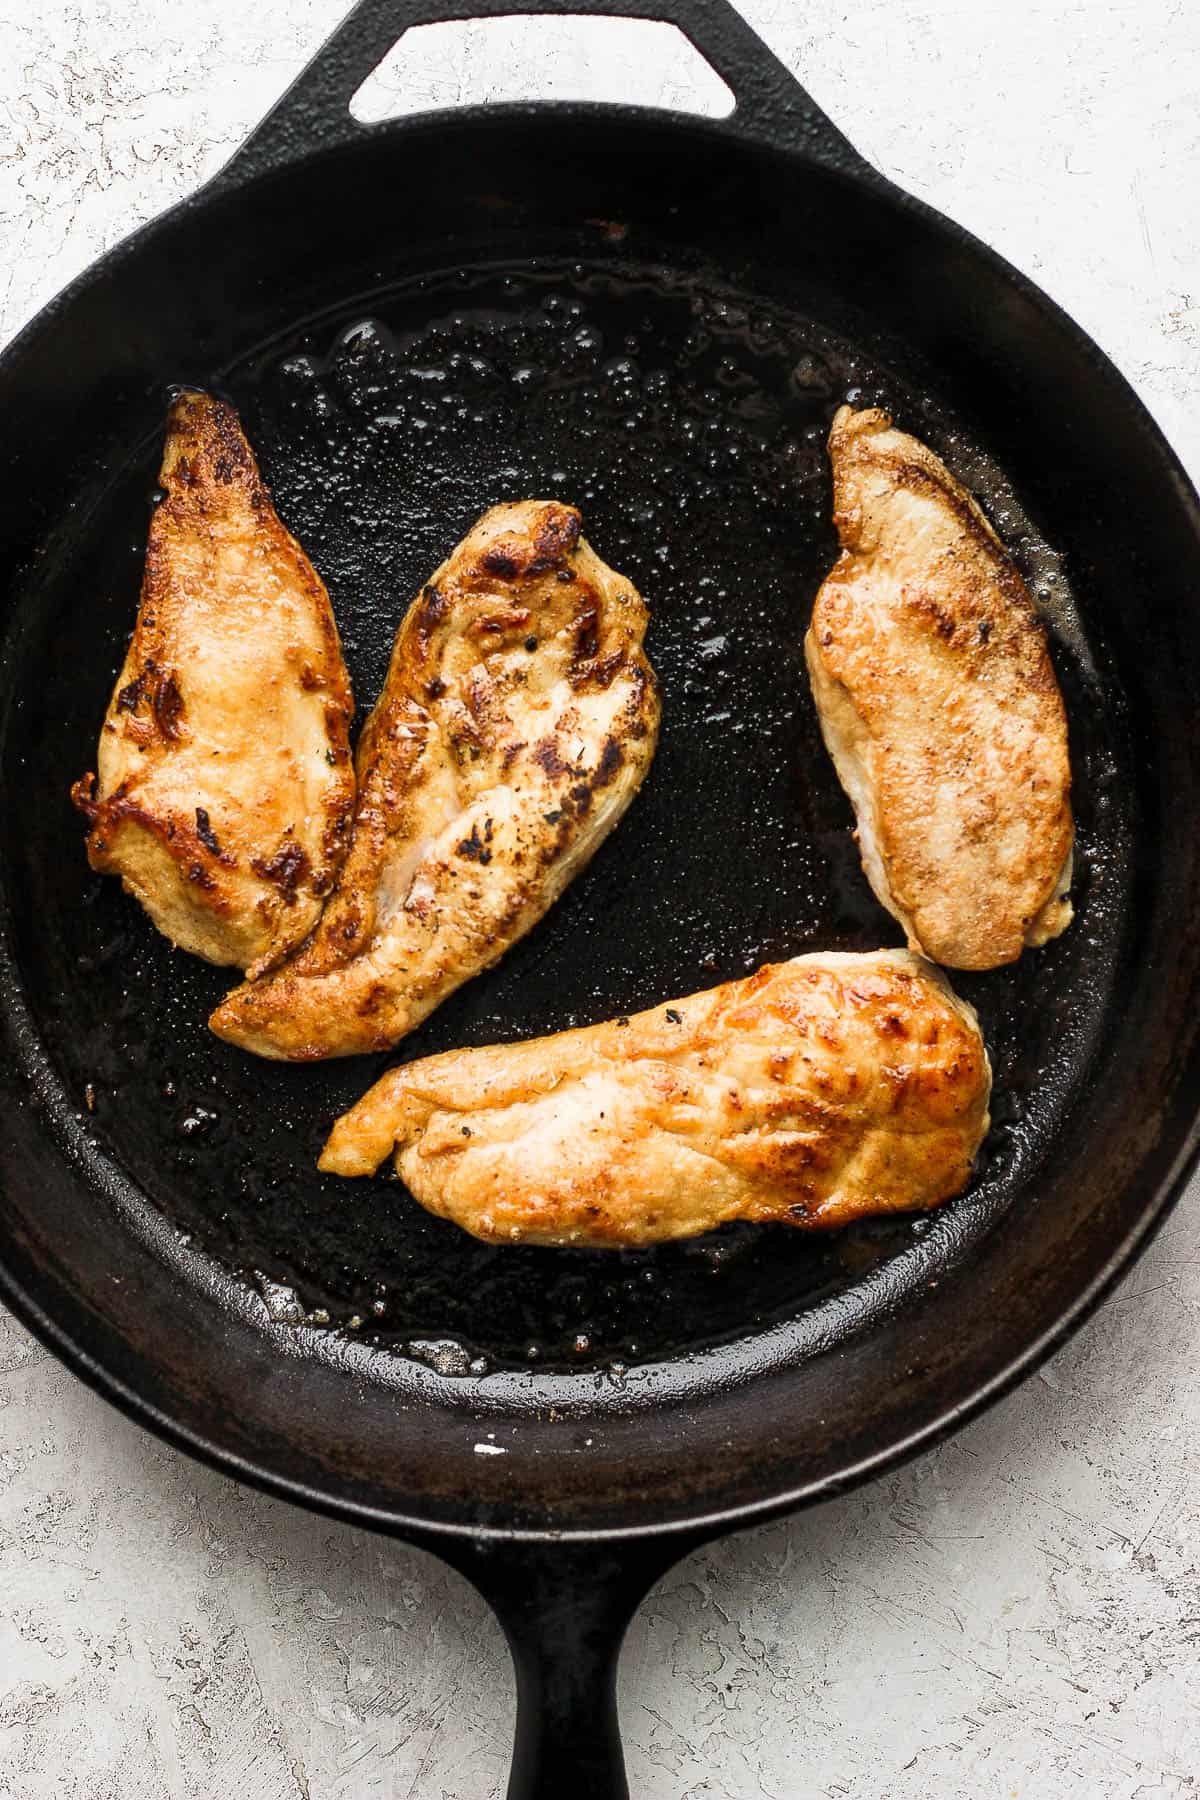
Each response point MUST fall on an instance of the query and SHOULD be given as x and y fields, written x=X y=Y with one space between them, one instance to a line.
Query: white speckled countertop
x=1015 y=1615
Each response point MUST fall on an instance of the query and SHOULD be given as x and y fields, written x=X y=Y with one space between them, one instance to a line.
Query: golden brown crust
x=517 y=722
x=225 y=785
x=816 y=1092
x=940 y=706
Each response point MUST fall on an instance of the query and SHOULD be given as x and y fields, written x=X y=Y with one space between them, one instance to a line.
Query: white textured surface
x=1017 y=1614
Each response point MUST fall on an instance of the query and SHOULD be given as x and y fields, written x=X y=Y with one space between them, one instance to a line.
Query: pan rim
x=1150 y=1213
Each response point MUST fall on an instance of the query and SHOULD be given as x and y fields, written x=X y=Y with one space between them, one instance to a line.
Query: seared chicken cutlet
x=518 y=719
x=816 y=1092
x=225 y=788
x=940 y=707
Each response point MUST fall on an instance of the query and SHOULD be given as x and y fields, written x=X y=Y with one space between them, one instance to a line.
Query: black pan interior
x=610 y=346
x=687 y=419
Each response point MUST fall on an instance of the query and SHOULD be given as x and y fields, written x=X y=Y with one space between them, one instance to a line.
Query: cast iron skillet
x=656 y=316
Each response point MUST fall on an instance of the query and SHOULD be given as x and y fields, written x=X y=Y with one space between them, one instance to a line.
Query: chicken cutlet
x=940 y=707
x=517 y=722
x=815 y=1092
x=224 y=790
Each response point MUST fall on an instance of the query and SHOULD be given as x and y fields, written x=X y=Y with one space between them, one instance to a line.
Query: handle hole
x=638 y=62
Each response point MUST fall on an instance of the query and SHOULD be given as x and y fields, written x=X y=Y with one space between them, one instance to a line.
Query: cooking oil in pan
x=689 y=426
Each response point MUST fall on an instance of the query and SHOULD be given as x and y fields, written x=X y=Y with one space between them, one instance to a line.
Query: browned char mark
x=161 y=690
x=428 y=613
x=556 y=538
x=285 y=870
x=193 y=845
x=553 y=540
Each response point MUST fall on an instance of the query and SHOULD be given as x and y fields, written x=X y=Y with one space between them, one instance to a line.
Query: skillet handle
x=565 y=1609
x=314 y=113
